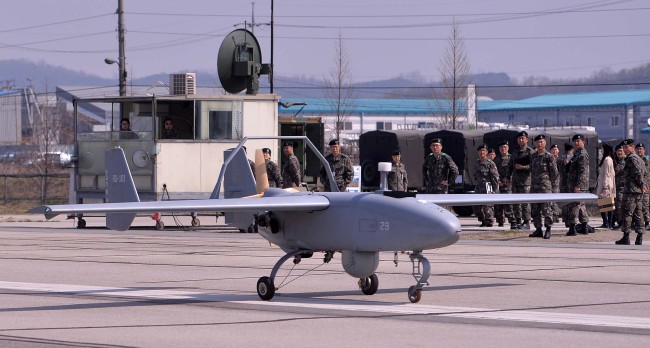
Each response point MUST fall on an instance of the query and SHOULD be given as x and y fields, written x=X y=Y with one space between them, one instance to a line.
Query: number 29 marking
x=384 y=225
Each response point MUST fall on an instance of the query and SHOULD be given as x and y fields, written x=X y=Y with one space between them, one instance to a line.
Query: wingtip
x=45 y=210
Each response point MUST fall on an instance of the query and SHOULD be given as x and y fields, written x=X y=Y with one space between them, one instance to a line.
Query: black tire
x=371 y=284
x=196 y=222
x=81 y=223
x=463 y=211
x=265 y=288
x=414 y=294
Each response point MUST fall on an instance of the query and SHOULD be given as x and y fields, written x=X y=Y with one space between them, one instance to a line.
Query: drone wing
x=514 y=198
x=283 y=203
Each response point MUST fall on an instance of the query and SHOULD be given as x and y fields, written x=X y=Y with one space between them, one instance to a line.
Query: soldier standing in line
x=492 y=155
x=291 y=170
x=633 y=174
x=544 y=179
x=563 y=168
x=439 y=170
x=341 y=167
x=645 y=200
x=555 y=152
x=504 y=167
x=272 y=169
x=486 y=177
x=578 y=182
x=521 y=179
x=397 y=179
x=620 y=185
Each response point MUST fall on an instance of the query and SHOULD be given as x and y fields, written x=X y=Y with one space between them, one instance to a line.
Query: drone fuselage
x=364 y=222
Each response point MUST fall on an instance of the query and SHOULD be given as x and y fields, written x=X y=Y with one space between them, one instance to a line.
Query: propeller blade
x=261 y=178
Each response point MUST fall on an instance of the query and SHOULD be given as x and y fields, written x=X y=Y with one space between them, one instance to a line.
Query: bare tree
x=338 y=88
x=454 y=76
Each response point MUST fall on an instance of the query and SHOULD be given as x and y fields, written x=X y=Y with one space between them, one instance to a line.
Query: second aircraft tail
x=119 y=188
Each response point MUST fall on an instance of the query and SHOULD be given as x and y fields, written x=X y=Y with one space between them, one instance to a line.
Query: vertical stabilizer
x=119 y=188
x=238 y=181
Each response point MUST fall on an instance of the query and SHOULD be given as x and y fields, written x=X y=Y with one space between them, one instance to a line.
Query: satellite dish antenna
x=140 y=158
x=240 y=62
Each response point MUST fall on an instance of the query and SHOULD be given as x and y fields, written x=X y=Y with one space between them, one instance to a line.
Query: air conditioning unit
x=182 y=84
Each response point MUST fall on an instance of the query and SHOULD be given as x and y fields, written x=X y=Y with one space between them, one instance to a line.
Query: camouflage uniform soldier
x=341 y=167
x=555 y=152
x=577 y=182
x=439 y=170
x=272 y=169
x=291 y=171
x=645 y=200
x=563 y=169
x=620 y=185
x=633 y=174
x=521 y=179
x=486 y=174
x=544 y=179
x=505 y=166
x=397 y=179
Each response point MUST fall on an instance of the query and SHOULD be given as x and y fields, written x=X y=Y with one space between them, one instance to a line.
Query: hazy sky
x=383 y=38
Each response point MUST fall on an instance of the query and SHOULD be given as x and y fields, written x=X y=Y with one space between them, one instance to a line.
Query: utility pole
x=271 y=72
x=122 y=58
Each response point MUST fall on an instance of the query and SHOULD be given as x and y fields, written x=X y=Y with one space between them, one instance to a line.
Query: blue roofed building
x=613 y=114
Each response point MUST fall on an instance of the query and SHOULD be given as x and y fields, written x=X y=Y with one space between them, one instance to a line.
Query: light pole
x=121 y=63
x=122 y=74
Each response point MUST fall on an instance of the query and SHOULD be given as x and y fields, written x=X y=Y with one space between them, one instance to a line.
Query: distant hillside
x=42 y=76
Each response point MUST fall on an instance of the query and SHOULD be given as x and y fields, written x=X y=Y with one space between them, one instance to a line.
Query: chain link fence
x=37 y=188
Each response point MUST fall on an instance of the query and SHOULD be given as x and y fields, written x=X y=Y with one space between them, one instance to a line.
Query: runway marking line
x=346 y=305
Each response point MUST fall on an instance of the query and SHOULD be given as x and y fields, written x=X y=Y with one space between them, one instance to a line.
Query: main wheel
x=369 y=285
x=414 y=294
x=160 y=225
x=196 y=222
x=265 y=288
x=81 y=223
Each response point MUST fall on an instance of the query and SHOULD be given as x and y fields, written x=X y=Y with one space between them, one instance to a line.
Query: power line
x=56 y=23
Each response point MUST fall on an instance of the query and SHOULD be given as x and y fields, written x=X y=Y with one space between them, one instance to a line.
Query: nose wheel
x=421 y=272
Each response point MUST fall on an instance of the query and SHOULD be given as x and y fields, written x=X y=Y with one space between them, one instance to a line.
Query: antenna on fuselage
x=384 y=168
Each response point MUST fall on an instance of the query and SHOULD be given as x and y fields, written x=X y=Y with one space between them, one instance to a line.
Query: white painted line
x=345 y=305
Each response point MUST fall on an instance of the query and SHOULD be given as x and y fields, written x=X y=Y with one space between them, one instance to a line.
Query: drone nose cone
x=448 y=226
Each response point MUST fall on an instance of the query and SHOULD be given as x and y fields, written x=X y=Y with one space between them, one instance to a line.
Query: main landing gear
x=266 y=285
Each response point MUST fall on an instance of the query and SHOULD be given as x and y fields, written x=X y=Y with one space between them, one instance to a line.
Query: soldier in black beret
x=521 y=179
x=578 y=182
x=397 y=178
x=341 y=167
x=505 y=167
x=544 y=179
x=645 y=200
x=486 y=177
x=272 y=170
x=438 y=170
x=291 y=176
x=634 y=187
